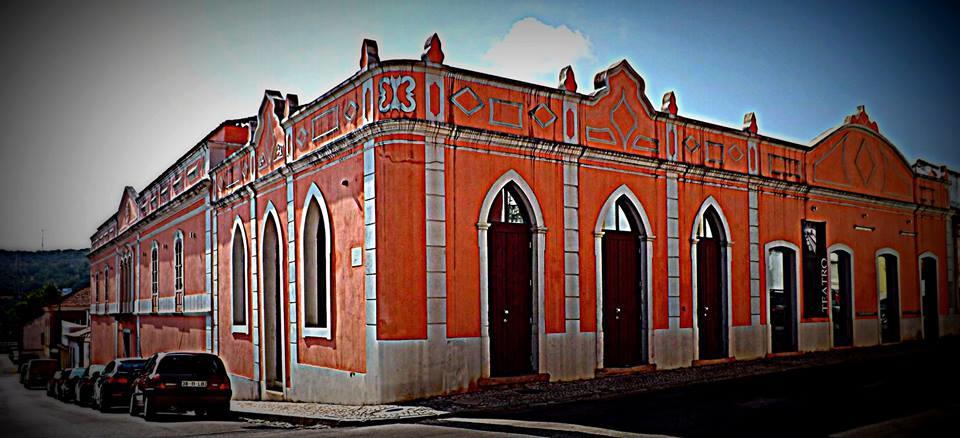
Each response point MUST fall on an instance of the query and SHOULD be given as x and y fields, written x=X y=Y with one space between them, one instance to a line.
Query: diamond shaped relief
x=691 y=144
x=467 y=101
x=543 y=116
x=865 y=163
x=623 y=119
x=735 y=153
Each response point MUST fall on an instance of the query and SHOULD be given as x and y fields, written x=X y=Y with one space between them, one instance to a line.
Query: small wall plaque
x=356 y=256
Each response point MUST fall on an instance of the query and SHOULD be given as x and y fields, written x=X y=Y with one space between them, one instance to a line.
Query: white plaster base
x=814 y=336
x=673 y=348
x=244 y=388
x=949 y=325
x=571 y=355
x=422 y=368
x=911 y=329
x=749 y=342
x=866 y=332
x=317 y=384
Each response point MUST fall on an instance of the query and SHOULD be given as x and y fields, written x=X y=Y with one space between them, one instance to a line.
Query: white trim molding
x=647 y=278
x=245 y=327
x=270 y=213
x=315 y=195
x=876 y=259
x=921 y=290
x=726 y=243
x=538 y=240
x=797 y=279
x=853 y=291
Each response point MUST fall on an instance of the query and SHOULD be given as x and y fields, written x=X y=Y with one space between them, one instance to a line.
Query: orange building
x=422 y=229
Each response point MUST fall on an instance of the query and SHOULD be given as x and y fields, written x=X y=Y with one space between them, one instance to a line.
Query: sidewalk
x=306 y=414
x=527 y=395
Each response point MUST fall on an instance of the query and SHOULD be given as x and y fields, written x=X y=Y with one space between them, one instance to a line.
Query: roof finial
x=750 y=122
x=568 y=81
x=369 y=54
x=432 y=50
x=862 y=118
x=669 y=104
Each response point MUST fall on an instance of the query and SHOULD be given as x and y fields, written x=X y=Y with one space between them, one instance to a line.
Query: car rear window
x=129 y=366
x=190 y=364
x=43 y=365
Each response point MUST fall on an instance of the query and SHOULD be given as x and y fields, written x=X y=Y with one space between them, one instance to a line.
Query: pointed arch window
x=106 y=284
x=316 y=263
x=238 y=279
x=178 y=270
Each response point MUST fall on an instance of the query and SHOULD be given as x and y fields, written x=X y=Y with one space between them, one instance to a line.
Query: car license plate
x=193 y=384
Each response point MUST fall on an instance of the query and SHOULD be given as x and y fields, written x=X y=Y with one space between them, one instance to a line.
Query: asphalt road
x=901 y=395
x=907 y=395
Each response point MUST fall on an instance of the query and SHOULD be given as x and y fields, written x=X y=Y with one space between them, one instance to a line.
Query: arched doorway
x=841 y=290
x=888 y=295
x=929 y=285
x=510 y=287
x=623 y=301
x=782 y=297
x=710 y=252
x=272 y=305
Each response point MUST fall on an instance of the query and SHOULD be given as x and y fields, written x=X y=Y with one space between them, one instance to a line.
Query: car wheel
x=149 y=410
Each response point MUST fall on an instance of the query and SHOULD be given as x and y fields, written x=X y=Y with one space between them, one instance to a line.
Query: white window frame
x=178 y=262
x=242 y=328
x=314 y=194
x=154 y=269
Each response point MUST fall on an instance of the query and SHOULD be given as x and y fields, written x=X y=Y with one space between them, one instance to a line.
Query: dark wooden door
x=931 y=319
x=890 y=306
x=622 y=300
x=510 y=299
x=782 y=308
x=710 y=322
x=842 y=303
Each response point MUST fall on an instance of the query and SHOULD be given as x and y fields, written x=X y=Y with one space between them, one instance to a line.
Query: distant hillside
x=28 y=270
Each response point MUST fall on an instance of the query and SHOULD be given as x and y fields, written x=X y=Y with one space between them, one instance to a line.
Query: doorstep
x=784 y=354
x=607 y=372
x=706 y=362
x=487 y=382
x=308 y=414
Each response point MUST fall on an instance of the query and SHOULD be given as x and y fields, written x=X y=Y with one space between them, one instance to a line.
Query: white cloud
x=535 y=51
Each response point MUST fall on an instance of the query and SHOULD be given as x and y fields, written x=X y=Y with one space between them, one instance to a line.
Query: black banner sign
x=816 y=269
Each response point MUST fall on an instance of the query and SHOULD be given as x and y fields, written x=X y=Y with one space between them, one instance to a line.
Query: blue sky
x=106 y=95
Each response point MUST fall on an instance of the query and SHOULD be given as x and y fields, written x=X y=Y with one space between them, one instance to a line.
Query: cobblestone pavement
x=332 y=414
x=545 y=393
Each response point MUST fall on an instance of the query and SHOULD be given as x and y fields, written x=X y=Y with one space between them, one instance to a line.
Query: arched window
x=154 y=269
x=106 y=284
x=96 y=287
x=238 y=279
x=888 y=296
x=178 y=262
x=316 y=267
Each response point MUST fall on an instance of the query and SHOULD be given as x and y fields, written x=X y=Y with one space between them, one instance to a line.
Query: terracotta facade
x=407 y=164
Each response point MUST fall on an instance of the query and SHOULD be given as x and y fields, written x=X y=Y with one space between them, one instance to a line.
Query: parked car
x=112 y=387
x=38 y=372
x=68 y=387
x=182 y=382
x=53 y=382
x=84 y=389
x=58 y=383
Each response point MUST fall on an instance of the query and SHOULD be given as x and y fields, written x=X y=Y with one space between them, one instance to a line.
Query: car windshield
x=129 y=366
x=77 y=372
x=189 y=364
